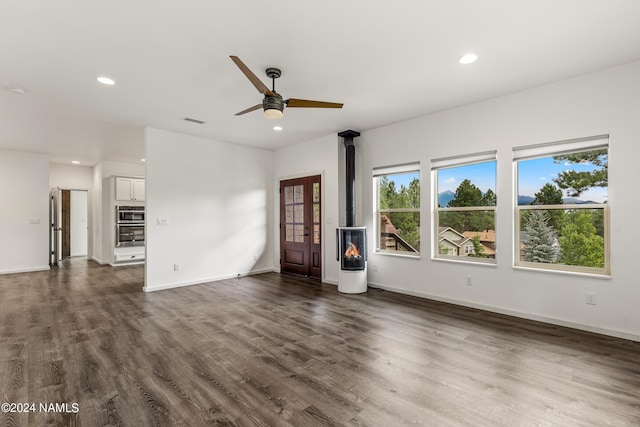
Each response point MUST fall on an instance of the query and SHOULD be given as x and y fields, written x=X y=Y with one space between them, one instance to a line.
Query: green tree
x=580 y=244
x=539 y=245
x=549 y=194
x=468 y=195
x=478 y=248
x=388 y=193
x=391 y=197
x=413 y=193
x=576 y=182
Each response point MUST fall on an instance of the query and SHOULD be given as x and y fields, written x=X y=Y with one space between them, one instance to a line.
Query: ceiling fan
x=273 y=104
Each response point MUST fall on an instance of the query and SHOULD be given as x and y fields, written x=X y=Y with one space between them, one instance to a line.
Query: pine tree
x=577 y=182
x=539 y=246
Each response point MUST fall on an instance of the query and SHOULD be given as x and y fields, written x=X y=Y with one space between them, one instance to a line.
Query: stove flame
x=352 y=252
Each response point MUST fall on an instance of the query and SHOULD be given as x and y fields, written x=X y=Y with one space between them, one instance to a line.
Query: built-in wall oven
x=130 y=226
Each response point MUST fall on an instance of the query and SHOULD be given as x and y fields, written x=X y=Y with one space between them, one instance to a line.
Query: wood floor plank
x=277 y=350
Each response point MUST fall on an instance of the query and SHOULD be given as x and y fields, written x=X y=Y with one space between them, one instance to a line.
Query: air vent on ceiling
x=189 y=119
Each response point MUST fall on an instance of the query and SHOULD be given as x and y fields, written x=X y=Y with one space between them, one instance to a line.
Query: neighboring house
x=450 y=242
x=389 y=237
x=487 y=239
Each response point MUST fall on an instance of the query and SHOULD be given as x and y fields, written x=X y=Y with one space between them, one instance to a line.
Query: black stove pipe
x=350 y=147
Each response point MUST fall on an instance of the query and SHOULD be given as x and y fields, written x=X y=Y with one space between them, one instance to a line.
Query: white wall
x=70 y=177
x=24 y=211
x=96 y=215
x=76 y=177
x=123 y=169
x=100 y=203
x=217 y=200
x=320 y=156
x=79 y=222
x=606 y=102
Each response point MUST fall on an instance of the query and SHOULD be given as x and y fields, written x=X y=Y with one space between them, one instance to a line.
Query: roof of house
x=485 y=236
x=386 y=226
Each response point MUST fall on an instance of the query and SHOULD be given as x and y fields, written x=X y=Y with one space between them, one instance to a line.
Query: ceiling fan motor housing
x=273 y=102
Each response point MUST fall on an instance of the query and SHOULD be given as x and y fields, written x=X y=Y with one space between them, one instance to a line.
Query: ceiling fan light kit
x=273 y=104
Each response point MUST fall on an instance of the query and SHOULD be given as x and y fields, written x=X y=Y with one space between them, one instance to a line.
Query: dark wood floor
x=273 y=350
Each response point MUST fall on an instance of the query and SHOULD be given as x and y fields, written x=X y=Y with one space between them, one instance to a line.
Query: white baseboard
x=514 y=313
x=94 y=259
x=204 y=280
x=25 y=270
x=124 y=263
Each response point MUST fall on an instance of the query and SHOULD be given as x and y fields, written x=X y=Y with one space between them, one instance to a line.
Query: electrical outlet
x=591 y=298
x=468 y=281
x=176 y=267
x=162 y=222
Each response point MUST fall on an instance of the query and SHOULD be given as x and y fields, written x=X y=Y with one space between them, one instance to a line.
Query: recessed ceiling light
x=277 y=128
x=468 y=58
x=143 y=160
x=106 y=80
x=75 y=162
x=17 y=90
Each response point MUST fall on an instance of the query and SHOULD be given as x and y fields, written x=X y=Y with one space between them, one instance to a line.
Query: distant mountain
x=527 y=200
x=445 y=197
x=571 y=200
x=524 y=200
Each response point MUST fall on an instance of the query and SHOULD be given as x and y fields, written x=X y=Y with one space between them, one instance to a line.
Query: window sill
x=397 y=254
x=464 y=261
x=605 y=276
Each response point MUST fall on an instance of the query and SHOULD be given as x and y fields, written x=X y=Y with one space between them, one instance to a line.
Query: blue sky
x=482 y=175
x=534 y=173
x=403 y=179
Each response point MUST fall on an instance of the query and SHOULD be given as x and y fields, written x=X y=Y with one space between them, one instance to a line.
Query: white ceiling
x=386 y=61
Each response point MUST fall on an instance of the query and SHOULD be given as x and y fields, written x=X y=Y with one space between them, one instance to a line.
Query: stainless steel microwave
x=130 y=214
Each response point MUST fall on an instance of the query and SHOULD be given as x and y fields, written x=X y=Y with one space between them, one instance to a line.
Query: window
x=562 y=211
x=398 y=209
x=465 y=203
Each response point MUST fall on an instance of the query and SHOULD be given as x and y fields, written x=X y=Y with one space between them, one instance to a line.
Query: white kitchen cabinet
x=128 y=255
x=128 y=189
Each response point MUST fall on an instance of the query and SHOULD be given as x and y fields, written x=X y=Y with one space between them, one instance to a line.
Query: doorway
x=69 y=211
x=300 y=229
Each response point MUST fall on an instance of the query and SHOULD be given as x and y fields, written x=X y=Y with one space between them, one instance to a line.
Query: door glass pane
x=288 y=195
x=289 y=214
x=316 y=192
x=299 y=194
x=298 y=233
x=316 y=212
x=316 y=234
x=288 y=233
x=299 y=214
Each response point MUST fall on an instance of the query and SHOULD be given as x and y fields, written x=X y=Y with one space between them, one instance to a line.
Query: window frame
x=378 y=173
x=452 y=162
x=545 y=150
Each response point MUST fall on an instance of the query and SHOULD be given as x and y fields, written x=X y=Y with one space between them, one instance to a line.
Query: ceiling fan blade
x=262 y=88
x=304 y=103
x=250 y=109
